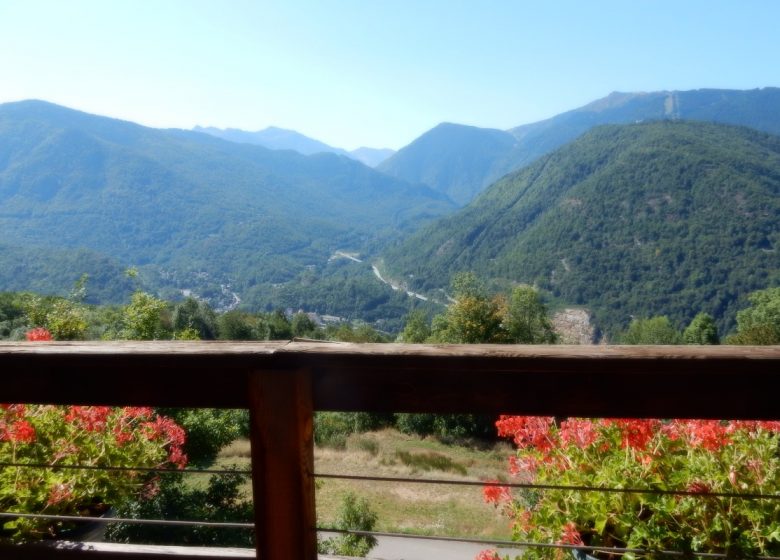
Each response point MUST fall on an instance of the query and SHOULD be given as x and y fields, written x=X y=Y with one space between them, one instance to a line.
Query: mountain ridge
x=275 y=138
x=427 y=162
x=667 y=217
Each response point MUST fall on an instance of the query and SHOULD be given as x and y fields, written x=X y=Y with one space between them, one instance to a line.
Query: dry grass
x=429 y=509
x=433 y=509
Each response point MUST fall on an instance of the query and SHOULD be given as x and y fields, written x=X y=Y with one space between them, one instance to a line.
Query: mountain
x=668 y=217
x=371 y=156
x=484 y=155
x=192 y=211
x=56 y=271
x=455 y=159
x=275 y=138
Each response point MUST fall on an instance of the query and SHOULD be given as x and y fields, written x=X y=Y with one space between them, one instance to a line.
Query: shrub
x=222 y=501
x=356 y=515
x=96 y=436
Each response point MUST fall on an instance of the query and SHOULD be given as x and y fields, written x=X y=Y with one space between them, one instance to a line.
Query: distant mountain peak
x=277 y=138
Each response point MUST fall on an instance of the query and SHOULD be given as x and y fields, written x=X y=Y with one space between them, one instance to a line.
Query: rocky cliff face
x=573 y=326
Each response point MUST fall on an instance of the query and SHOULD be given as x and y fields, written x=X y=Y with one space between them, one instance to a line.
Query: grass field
x=427 y=509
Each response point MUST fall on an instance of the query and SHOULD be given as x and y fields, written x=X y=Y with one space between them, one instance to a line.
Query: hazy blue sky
x=373 y=73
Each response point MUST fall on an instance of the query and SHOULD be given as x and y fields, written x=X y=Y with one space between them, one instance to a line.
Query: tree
x=195 y=315
x=141 y=319
x=240 y=325
x=473 y=318
x=302 y=326
x=702 y=330
x=759 y=323
x=279 y=327
x=526 y=320
x=64 y=319
x=655 y=330
x=416 y=330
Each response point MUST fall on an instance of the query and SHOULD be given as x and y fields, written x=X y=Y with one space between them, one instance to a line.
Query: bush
x=331 y=429
x=222 y=501
x=355 y=515
x=447 y=426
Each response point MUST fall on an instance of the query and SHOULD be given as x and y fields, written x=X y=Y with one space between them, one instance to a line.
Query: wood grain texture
x=282 y=422
x=660 y=381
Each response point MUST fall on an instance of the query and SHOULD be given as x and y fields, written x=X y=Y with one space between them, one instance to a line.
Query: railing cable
x=106 y=520
x=531 y=486
x=131 y=469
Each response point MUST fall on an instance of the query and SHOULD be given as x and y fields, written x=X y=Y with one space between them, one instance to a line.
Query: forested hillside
x=193 y=212
x=461 y=161
x=638 y=220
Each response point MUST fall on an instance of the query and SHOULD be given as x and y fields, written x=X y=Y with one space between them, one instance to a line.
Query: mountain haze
x=430 y=158
x=634 y=220
x=275 y=138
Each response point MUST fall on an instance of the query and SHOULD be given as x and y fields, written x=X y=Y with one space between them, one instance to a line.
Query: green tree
x=195 y=315
x=473 y=318
x=759 y=323
x=64 y=319
x=702 y=330
x=416 y=329
x=655 y=330
x=279 y=327
x=240 y=325
x=142 y=318
x=526 y=320
x=302 y=326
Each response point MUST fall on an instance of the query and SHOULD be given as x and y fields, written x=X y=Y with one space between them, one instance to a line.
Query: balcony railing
x=283 y=383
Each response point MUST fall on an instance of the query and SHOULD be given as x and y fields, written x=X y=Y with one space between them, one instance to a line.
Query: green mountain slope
x=56 y=271
x=657 y=218
x=454 y=159
x=197 y=211
x=481 y=156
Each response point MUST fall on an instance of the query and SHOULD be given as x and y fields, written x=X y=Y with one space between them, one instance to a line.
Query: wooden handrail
x=283 y=383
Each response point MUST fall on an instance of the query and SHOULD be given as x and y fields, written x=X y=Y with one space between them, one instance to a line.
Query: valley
x=627 y=220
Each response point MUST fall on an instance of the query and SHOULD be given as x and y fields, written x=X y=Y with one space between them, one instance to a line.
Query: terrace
x=283 y=383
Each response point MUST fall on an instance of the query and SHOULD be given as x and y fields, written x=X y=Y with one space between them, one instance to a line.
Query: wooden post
x=283 y=464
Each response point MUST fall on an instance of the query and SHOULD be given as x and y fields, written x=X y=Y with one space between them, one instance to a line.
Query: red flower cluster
x=89 y=418
x=527 y=431
x=165 y=429
x=539 y=432
x=20 y=431
x=578 y=431
x=496 y=495
x=38 y=334
x=635 y=434
x=13 y=425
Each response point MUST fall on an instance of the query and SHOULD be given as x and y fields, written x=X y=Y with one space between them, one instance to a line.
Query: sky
x=373 y=73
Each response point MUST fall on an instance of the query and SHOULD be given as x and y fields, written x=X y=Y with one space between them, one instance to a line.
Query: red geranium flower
x=38 y=334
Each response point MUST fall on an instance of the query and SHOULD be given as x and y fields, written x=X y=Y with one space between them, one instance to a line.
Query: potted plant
x=692 y=480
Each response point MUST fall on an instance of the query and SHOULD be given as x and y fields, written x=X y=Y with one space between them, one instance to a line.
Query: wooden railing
x=283 y=383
